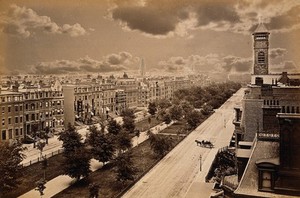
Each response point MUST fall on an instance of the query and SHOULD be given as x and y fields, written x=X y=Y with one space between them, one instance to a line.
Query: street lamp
x=200 y=160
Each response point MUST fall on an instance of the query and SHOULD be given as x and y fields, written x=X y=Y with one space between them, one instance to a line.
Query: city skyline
x=172 y=37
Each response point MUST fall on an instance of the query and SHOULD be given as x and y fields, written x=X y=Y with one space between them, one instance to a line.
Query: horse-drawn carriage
x=204 y=143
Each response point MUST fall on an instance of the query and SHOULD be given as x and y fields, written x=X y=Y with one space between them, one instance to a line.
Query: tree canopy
x=113 y=127
x=152 y=108
x=193 y=118
x=77 y=165
x=102 y=145
x=125 y=167
x=10 y=158
x=71 y=139
x=76 y=162
x=159 y=144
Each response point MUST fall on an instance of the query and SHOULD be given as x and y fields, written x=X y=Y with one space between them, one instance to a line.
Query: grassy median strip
x=143 y=158
x=35 y=172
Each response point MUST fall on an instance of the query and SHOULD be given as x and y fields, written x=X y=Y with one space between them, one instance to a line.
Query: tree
x=123 y=141
x=94 y=190
x=125 y=168
x=186 y=107
x=128 y=113
x=77 y=163
x=34 y=132
x=160 y=144
x=47 y=130
x=176 y=112
x=113 y=127
x=152 y=108
x=193 y=119
x=128 y=124
x=102 y=145
x=167 y=118
x=71 y=139
x=10 y=168
x=164 y=104
x=206 y=109
x=77 y=160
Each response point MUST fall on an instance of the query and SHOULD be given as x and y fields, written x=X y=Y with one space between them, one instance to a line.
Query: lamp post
x=200 y=160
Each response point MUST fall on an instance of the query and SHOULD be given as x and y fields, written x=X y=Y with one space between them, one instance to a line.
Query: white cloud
x=25 y=22
x=112 y=62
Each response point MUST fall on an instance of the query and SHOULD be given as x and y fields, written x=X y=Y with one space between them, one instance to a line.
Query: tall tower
x=142 y=68
x=261 y=50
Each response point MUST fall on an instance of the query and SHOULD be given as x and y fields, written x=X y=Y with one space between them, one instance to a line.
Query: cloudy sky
x=172 y=36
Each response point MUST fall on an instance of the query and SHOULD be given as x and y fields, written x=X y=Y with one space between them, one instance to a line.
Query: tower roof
x=261 y=28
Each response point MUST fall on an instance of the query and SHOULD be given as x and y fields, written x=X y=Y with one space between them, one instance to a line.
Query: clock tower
x=261 y=50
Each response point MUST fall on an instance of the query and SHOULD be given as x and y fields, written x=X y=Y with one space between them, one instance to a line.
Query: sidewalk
x=62 y=182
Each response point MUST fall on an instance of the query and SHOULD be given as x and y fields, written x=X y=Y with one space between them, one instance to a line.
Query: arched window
x=261 y=57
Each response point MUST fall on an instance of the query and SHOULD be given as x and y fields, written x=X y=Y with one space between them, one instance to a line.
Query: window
x=10 y=132
x=3 y=135
x=266 y=180
x=3 y=121
x=16 y=108
x=261 y=57
x=2 y=99
x=21 y=131
x=283 y=109
x=9 y=120
x=3 y=109
x=21 y=119
x=8 y=109
x=16 y=120
x=21 y=108
x=17 y=132
x=27 y=117
x=26 y=106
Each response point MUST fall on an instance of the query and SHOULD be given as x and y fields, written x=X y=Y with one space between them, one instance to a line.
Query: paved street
x=176 y=173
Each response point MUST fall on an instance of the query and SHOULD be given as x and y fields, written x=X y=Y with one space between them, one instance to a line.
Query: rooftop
x=249 y=183
x=261 y=28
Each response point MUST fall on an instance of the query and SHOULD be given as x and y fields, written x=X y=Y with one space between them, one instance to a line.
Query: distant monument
x=142 y=68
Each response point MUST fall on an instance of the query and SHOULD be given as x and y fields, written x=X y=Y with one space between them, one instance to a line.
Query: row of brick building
x=48 y=103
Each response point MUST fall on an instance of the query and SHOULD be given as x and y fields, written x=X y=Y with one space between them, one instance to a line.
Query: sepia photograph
x=150 y=99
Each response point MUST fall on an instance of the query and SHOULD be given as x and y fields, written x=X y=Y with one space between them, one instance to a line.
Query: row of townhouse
x=109 y=98
x=24 y=106
x=52 y=105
